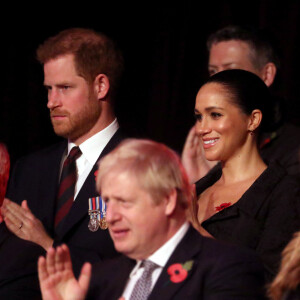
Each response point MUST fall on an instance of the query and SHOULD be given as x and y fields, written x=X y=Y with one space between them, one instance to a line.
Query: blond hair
x=288 y=277
x=156 y=167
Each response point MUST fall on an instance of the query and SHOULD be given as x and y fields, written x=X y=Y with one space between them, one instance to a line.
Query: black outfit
x=263 y=219
x=36 y=179
x=219 y=272
x=283 y=145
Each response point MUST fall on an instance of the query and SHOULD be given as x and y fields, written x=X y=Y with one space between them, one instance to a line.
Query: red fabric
x=4 y=171
x=222 y=206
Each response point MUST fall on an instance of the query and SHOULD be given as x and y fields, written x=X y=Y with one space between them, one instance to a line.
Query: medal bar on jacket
x=97 y=213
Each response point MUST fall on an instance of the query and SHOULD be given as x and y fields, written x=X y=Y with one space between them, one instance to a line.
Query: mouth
x=57 y=117
x=208 y=143
x=118 y=233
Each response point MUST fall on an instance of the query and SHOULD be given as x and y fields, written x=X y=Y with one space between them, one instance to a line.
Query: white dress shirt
x=159 y=257
x=91 y=150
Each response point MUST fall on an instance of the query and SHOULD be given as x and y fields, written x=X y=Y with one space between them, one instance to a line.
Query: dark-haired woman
x=245 y=201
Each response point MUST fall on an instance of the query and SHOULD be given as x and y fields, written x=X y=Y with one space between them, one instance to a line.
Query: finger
x=26 y=210
x=14 y=209
x=14 y=226
x=67 y=258
x=24 y=205
x=85 y=276
x=50 y=261
x=42 y=269
x=191 y=134
x=59 y=259
x=194 y=189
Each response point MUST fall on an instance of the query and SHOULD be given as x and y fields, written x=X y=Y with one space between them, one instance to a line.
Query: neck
x=242 y=166
x=170 y=230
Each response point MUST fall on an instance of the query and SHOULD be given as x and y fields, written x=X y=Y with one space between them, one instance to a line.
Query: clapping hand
x=20 y=221
x=57 y=280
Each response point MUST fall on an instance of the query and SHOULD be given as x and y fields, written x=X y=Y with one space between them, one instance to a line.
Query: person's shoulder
x=221 y=250
x=212 y=251
x=287 y=181
x=43 y=153
x=291 y=128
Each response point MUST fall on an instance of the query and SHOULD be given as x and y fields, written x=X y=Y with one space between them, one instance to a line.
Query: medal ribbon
x=102 y=207
x=94 y=203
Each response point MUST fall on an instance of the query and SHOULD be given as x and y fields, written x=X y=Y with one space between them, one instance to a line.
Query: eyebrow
x=223 y=65
x=60 y=84
x=210 y=108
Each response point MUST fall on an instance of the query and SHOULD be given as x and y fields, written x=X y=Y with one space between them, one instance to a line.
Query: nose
x=53 y=99
x=112 y=213
x=202 y=128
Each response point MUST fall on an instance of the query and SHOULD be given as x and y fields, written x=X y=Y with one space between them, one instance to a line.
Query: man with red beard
x=50 y=191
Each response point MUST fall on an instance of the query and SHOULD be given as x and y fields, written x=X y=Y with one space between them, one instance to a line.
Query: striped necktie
x=65 y=196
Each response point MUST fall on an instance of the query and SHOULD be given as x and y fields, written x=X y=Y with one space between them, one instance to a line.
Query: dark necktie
x=65 y=196
x=142 y=288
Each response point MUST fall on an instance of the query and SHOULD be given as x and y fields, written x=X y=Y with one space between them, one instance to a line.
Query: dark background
x=165 y=61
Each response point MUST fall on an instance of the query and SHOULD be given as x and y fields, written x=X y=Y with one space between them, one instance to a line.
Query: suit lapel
x=79 y=209
x=186 y=251
x=121 y=278
x=49 y=167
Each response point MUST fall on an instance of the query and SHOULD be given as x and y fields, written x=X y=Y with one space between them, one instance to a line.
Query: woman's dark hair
x=248 y=92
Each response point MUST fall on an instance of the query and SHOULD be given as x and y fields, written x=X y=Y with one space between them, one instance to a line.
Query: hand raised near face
x=57 y=280
x=21 y=222
x=193 y=157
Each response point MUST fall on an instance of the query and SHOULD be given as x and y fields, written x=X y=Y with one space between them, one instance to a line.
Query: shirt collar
x=162 y=255
x=92 y=147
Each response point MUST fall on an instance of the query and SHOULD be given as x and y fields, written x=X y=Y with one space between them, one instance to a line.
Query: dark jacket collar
x=257 y=192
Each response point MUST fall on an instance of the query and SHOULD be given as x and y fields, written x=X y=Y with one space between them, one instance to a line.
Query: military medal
x=103 y=222
x=97 y=213
x=94 y=213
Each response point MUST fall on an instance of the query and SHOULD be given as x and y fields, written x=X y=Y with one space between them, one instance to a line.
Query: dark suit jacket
x=265 y=217
x=284 y=147
x=219 y=271
x=35 y=178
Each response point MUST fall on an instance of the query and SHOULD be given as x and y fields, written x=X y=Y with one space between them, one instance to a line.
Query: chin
x=211 y=157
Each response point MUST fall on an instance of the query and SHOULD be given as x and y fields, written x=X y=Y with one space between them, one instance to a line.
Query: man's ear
x=101 y=86
x=255 y=120
x=268 y=73
x=171 y=202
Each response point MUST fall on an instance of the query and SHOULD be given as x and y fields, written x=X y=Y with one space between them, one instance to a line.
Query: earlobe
x=101 y=85
x=255 y=120
x=269 y=73
x=171 y=202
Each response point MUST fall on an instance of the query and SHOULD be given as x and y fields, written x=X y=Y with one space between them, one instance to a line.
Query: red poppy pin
x=222 y=206
x=178 y=272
